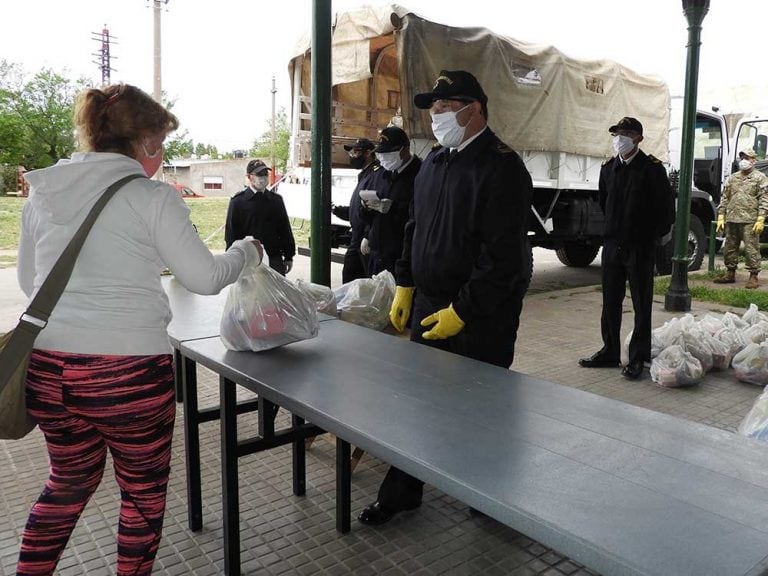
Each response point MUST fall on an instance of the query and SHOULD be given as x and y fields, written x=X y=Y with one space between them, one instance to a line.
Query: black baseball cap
x=360 y=144
x=392 y=139
x=452 y=85
x=257 y=167
x=629 y=124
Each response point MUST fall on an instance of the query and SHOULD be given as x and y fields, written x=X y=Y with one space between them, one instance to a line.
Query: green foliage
x=36 y=128
x=262 y=147
x=179 y=145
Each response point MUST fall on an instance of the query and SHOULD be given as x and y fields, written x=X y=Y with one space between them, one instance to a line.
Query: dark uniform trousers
x=355 y=264
x=490 y=339
x=635 y=264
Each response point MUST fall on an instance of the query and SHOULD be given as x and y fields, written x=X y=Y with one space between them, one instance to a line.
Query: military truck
x=554 y=110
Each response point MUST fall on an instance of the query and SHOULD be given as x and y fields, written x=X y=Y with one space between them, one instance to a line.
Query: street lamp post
x=678 y=298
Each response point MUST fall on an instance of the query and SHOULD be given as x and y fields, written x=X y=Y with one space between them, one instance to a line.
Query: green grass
x=731 y=295
x=10 y=221
x=207 y=214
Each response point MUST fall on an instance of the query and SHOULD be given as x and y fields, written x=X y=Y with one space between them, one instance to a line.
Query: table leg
x=178 y=380
x=229 y=481
x=188 y=376
x=299 y=459
x=343 y=486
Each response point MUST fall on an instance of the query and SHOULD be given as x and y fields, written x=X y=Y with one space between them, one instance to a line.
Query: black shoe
x=633 y=370
x=377 y=513
x=599 y=360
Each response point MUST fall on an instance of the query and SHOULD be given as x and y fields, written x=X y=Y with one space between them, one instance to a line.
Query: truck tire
x=697 y=248
x=577 y=255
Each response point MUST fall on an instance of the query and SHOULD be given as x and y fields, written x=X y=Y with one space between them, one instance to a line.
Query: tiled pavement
x=284 y=534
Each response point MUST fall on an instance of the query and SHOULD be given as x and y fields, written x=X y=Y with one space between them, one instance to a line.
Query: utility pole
x=678 y=297
x=157 y=93
x=274 y=140
x=104 y=61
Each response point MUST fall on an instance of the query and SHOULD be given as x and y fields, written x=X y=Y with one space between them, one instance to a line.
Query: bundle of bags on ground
x=684 y=349
x=265 y=310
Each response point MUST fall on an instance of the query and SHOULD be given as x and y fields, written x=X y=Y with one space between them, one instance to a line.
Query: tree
x=262 y=147
x=13 y=135
x=179 y=145
x=36 y=116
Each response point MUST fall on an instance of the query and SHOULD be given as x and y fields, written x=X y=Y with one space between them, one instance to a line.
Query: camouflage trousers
x=734 y=235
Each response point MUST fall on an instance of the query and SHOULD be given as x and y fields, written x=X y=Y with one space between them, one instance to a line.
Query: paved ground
x=283 y=534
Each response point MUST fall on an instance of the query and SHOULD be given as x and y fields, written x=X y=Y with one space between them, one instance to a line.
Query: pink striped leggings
x=86 y=405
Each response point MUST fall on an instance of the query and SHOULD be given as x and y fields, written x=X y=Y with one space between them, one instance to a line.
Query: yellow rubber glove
x=401 y=307
x=759 y=225
x=720 y=223
x=448 y=324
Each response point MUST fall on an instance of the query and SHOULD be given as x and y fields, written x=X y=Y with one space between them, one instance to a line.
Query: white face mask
x=259 y=182
x=447 y=130
x=622 y=145
x=745 y=164
x=390 y=160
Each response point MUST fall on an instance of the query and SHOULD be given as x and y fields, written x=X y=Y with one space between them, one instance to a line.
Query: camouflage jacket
x=745 y=197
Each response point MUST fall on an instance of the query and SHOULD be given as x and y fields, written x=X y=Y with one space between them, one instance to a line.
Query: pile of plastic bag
x=684 y=349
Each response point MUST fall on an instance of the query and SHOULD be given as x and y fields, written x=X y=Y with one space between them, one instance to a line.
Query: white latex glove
x=288 y=266
x=365 y=247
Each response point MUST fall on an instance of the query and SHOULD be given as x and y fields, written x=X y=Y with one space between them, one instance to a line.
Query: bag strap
x=36 y=316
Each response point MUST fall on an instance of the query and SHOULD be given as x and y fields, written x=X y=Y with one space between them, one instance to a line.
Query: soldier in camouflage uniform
x=742 y=215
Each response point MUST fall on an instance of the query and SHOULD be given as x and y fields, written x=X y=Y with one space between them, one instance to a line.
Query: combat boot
x=752 y=283
x=729 y=277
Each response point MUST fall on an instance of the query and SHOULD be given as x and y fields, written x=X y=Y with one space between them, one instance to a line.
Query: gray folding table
x=622 y=489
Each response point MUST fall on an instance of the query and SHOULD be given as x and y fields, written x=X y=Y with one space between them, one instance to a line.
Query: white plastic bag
x=751 y=364
x=322 y=296
x=755 y=423
x=265 y=310
x=675 y=367
x=366 y=301
x=753 y=315
x=667 y=335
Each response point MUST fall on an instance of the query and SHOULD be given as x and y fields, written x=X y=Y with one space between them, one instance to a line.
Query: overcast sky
x=219 y=57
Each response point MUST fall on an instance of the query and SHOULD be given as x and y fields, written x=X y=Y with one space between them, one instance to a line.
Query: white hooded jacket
x=114 y=303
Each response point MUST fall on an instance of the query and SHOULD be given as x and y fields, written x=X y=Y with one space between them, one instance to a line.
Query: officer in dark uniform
x=386 y=216
x=639 y=207
x=465 y=254
x=259 y=212
x=361 y=157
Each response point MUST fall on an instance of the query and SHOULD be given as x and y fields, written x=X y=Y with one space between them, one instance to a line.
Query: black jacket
x=263 y=216
x=385 y=231
x=637 y=200
x=367 y=179
x=466 y=239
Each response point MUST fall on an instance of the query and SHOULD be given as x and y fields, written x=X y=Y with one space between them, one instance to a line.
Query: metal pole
x=678 y=298
x=157 y=93
x=320 y=237
x=274 y=139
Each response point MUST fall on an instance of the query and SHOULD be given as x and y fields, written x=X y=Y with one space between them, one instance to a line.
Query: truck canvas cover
x=539 y=98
